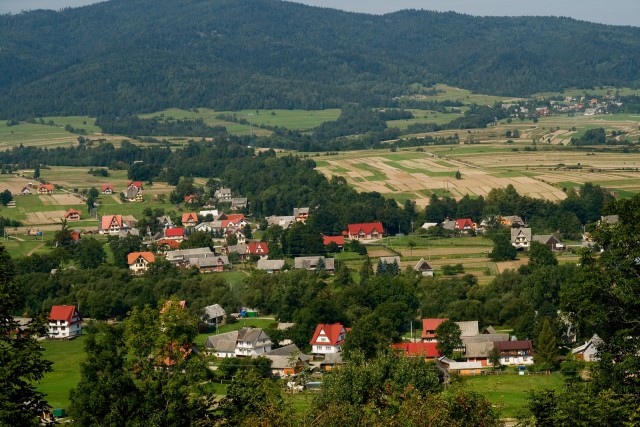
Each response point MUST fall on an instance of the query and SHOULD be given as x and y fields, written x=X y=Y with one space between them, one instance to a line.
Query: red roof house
x=111 y=224
x=235 y=218
x=174 y=233
x=328 y=338
x=190 y=199
x=427 y=350
x=72 y=215
x=137 y=184
x=429 y=327
x=338 y=240
x=258 y=248
x=46 y=189
x=365 y=231
x=167 y=244
x=64 y=322
x=107 y=189
x=465 y=224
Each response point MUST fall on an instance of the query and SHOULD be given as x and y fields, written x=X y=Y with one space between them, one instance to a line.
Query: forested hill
x=145 y=55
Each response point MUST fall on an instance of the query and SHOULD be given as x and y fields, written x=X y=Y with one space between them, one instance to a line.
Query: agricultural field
x=449 y=93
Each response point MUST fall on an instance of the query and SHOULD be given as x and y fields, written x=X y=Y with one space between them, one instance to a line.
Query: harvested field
x=66 y=199
x=46 y=217
x=511 y=265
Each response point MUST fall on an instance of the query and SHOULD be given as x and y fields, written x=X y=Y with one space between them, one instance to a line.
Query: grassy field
x=449 y=93
x=35 y=135
x=66 y=357
x=508 y=393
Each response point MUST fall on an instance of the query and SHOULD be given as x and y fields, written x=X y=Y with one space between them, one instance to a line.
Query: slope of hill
x=122 y=56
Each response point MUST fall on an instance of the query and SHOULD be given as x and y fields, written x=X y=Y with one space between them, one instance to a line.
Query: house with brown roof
x=423 y=268
x=550 y=241
x=328 y=338
x=210 y=264
x=312 y=263
x=189 y=219
x=515 y=352
x=64 y=322
x=139 y=261
x=365 y=231
x=72 y=215
x=271 y=266
x=46 y=189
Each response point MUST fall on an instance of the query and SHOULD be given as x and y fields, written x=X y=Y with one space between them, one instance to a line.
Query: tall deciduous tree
x=541 y=256
x=21 y=356
x=448 y=334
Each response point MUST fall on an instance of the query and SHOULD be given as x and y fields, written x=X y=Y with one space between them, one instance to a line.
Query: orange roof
x=137 y=184
x=106 y=187
x=169 y=242
x=431 y=325
x=190 y=216
x=75 y=236
x=366 y=228
x=108 y=219
x=235 y=218
x=258 y=248
x=71 y=212
x=133 y=257
x=48 y=187
x=331 y=331
x=338 y=240
x=189 y=199
x=62 y=312
x=426 y=349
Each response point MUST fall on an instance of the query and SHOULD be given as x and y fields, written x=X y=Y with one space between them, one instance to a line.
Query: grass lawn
x=66 y=357
x=508 y=393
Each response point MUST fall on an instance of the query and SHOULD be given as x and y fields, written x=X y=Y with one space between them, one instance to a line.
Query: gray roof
x=287 y=351
x=311 y=263
x=213 y=311
x=224 y=342
x=300 y=211
x=222 y=192
x=545 y=238
x=283 y=326
x=239 y=202
x=478 y=349
x=240 y=248
x=485 y=338
x=610 y=219
x=469 y=328
x=390 y=259
x=525 y=232
x=515 y=219
x=131 y=192
x=489 y=330
x=595 y=341
x=252 y=335
x=211 y=261
x=270 y=264
x=332 y=358
x=449 y=225
x=282 y=221
x=187 y=254
x=423 y=265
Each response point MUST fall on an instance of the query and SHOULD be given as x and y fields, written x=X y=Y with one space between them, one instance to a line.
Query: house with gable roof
x=46 y=189
x=107 y=189
x=550 y=241
x=423 y=268
x=428 y=350
x=328 y=338
x=465 y=225
x=259 y=249
x=365 y=231
x=311 y=263
x=72 y=215
x=190 y=199
x=139 y=261
x=521 y=238
x=301 y=214
x=112 y=224
x=429 y=327
x=270 y=266
x=338 y=240
x=64 y=322
x=243 y=342
x=174 y=234
x=515 y=352
x=190 y=219
x=214 y=315
x=589 y=350
x=223 y=195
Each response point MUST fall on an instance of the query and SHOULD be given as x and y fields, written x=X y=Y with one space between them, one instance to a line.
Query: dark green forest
x=120 y=57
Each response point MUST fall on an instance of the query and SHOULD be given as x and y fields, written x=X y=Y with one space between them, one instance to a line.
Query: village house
x=112 y=224
x=513 y=221
x=107 y=189
x=213 y=212
x=166 y=245
x=301 y=214
x=478 y=348
x=214 y=315
x=176 y=233
x=550 y=241
x=287 y=361
x=338 y=240
x=515 y=352
x=183 y=257
x=223 y=195
x=25 y=191
x=328 y=338
x=429 y=327
x=259 y=249
x=459 y=368
x=238 y=203
x=64 y=322
x=133 y=192
x=245 y=342
x=312 y=263
x=283 y=221
x=465 y=225
x=428 y=350
x=46 y=189
x=423 y=268
x=521 y=238
x=211 y=264
x=270 y=265
x=189 y=219
x=365 y=231
x=165 y=221
x=190 y=200
x=589 y=350
x=72 y=215
x=139 y=261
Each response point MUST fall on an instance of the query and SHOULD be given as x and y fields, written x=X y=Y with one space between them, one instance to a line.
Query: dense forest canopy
x=121 y=57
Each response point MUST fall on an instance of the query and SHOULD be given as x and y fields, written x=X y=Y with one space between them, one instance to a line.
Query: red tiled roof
x=174 y=232
x=106 y=187
x=258 y=248
x=235 y=218
x=108 y=219
x=338 y=240
x=137 y=184
x=75 y=236
x=190 y=216
x=366 y=228
x=133 y=257
x=62 y=312
x=464 y=222
x=190 y=198
x=331 y=331
x=71 y=212
x=426 y=349
x=171 y=243
x=48 y=187
x=430 y=325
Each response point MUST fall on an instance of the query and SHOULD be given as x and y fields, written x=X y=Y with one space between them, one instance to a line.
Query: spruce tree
x=546 y=347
